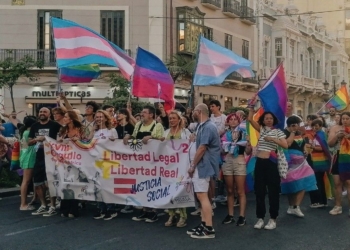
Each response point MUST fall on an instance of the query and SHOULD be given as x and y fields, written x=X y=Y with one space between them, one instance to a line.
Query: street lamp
x=343 y=83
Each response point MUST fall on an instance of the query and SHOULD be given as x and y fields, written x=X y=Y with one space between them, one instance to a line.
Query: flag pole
x=325 y=104
x=191 y=99
x=59 y=89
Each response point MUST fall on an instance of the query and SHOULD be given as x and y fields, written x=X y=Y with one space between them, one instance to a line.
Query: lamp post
x=326 y=86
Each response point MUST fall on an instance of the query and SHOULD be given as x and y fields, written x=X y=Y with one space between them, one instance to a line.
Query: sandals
x=29 y=207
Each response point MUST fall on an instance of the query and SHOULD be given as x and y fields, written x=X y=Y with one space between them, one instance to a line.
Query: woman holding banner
x=235 y=146
x=176 y=131
x=73 y=130
x=266 y=175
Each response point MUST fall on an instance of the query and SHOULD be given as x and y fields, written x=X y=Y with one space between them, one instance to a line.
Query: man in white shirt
x=289 y=113
x=330 y=121
x=218 y=118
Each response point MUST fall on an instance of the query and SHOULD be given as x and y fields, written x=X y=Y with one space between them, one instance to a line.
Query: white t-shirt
x=107 y=133
x=219 y=122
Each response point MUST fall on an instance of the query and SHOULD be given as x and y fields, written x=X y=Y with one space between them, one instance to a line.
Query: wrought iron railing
x=232 y=6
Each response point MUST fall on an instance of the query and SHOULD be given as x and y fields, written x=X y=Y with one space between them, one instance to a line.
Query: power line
x=277 y=15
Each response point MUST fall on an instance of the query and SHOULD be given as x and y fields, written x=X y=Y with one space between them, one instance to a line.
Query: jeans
x=266 y=179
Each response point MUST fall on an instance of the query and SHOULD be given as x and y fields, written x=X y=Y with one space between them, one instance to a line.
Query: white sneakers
x=270 y=225
x=336 y=210
x=295 y=211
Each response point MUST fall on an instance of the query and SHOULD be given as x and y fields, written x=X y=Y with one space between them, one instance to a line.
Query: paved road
x=318 y=230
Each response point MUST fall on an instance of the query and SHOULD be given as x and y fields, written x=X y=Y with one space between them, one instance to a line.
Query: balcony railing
x=46 y=56
x=247 y=15
x=212 y=4
x=232 y=8
x=237 y=77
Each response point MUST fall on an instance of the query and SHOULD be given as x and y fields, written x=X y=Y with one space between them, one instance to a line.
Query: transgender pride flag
x=215 y=63
x=78 y=45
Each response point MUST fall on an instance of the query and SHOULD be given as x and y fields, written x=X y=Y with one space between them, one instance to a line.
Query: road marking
x=24 y=231
x=102 y=242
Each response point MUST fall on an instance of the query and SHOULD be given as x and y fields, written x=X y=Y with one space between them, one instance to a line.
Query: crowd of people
x=219 y=146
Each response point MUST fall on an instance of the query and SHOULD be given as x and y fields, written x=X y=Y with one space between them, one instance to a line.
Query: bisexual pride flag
x=215 y=63
x=152 y=79
x=273 y=95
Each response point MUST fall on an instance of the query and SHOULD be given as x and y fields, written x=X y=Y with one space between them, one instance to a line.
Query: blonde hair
x=108 y=122
x=174 y=112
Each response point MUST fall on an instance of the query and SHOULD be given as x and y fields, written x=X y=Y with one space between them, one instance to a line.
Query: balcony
x=47 y=56
x=247 y=15
x=212 y=4
x=232 y=8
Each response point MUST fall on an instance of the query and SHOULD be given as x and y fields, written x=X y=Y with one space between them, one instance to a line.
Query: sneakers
x=171 y=221
x=110 y=215
x=127 y=210
x=271 y=224
x=141 y=217
x=296 y=211
x=259 y=224
x=193 y=230
x=336 y=210
x=316 y=205
x=99 y=215
x=213 y=205
x=52 y=211
x=241 y=221
x=197 y=212
x=290 y=210
x=220 y=199
x=41 y=210
x=27 y=208
x=181 y=222
x=228 y=219
x=152 y=217
x=204 y=233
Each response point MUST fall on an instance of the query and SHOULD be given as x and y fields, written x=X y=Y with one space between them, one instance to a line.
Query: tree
x=11 y=71
x=121 y=102
x=235 y=109
x=121 y=87
x=181 y=66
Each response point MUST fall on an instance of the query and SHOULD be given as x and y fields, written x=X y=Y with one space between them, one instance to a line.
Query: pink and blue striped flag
x=152 y=79
x=215 y=63
x=273 y=95
x=78 y=45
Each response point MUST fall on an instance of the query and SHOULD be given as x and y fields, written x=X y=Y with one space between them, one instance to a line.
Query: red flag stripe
x=122 y=190
x=124 y=181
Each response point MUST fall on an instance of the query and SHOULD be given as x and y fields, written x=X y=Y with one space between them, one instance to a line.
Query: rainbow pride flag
x=321 y=159
x=15 y=157
x=273 y=95
x=344 y=158
x=252 y=133
x=340 y=100
x=80 y=74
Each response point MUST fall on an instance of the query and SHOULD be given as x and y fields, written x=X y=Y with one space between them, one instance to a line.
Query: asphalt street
x=318 y=230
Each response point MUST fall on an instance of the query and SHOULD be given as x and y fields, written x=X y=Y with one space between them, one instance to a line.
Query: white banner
x=150 y=175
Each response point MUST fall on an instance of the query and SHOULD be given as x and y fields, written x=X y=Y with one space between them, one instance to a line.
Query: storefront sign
x=67 y=93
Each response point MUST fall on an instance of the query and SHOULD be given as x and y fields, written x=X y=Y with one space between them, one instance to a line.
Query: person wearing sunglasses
x=176 y=131
x=300 y=176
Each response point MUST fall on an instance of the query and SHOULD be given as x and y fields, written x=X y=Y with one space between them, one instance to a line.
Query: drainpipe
x=171 y=29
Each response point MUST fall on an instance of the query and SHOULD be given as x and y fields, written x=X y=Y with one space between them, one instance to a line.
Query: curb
x=8 y=192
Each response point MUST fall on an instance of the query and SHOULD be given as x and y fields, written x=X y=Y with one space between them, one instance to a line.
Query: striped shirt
x=266 y=145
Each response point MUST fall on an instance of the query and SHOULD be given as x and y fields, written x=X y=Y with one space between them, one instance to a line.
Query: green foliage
x=235 y=109
x=11 y=71
x=121 y=102
x=181 y=66
x=121 y=87
x=7 y=178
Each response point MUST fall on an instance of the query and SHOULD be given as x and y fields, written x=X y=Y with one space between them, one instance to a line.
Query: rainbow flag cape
x=152 y=79
x=321 y=159
x=329 y=185
x=249 y=181
x=344 y=158
x=252 y=133
x=340 y=100
x=15 y=157
x=215 y=63
x=80 y=74
x=273 y=95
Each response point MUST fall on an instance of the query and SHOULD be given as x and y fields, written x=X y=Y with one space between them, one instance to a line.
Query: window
x=228 y=103
x=291 y=56
x=245 y=49
x=207 y=98
x=190 y=24
x=306 y=71
x=334 y=68
x=278 y=50
x=347 y=46
x=45 y=40
x=266 y=53
x=347 y=19
x=112 y=26
x=302 y=64
x=318 y=69
x=228 y=41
